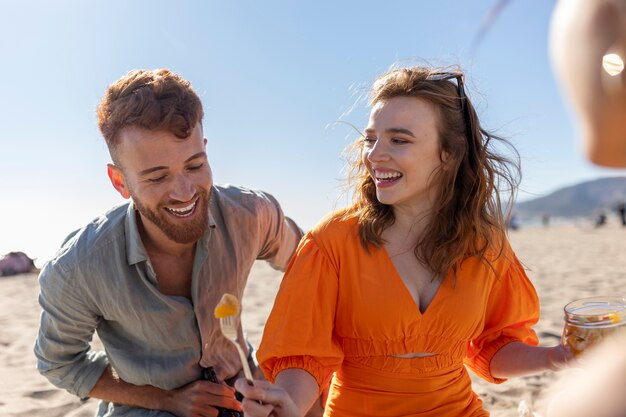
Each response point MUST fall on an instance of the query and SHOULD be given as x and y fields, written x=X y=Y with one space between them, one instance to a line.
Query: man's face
x=169 y=180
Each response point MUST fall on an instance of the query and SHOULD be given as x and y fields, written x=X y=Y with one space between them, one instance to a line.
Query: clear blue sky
x=274 y=76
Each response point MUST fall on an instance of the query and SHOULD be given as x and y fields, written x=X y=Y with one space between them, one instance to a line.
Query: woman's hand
x=519 y=359
x=559 y=357
x=266 y=400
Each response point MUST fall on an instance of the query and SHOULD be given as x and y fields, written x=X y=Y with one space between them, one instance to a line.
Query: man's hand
x=199 y=399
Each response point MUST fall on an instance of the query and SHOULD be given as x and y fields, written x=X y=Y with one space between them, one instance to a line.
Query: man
x=147 y=275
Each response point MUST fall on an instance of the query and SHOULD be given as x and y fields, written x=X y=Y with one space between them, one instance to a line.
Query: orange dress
x=345 y=312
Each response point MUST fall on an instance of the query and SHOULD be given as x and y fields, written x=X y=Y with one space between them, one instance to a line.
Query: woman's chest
x=375 y=302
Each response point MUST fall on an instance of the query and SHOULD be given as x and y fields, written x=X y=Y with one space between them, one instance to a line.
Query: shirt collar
x=212 y=208
x=135 y=251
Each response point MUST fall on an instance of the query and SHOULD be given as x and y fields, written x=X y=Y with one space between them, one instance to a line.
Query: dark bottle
x=210 y=375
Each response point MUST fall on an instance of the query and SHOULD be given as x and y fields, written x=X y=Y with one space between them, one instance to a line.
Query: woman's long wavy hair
x=468 y=216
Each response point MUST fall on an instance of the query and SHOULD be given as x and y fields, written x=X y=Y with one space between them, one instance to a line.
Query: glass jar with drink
x=588 y=321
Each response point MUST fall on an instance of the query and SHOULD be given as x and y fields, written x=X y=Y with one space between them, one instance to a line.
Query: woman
x=396 y=293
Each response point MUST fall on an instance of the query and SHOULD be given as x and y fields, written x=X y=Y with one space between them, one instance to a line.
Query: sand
x=564 y=263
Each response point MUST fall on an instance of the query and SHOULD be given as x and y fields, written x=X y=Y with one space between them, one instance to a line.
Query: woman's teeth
x=387 y=175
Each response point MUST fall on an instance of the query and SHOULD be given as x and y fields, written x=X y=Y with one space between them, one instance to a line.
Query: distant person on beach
x=621 y=212
x=396 y=293
x=513 y=223
x=600 y=219
x=545 y=219
x=14 y=263
x=147 y=275
x=587 y=48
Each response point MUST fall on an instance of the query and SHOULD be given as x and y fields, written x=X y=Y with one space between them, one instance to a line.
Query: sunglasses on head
x=460 y=88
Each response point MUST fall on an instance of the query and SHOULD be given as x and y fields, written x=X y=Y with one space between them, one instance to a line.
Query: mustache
x=199 y=196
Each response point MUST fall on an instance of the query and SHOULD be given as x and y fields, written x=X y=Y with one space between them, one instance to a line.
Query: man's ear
x=117 y=180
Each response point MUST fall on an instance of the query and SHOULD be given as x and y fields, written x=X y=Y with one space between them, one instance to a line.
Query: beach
x=564 y=262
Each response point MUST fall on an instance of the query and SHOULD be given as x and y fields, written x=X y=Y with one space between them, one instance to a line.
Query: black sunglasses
x=448 y=76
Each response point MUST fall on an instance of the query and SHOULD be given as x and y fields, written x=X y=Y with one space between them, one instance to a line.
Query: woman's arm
x=292 y=395
x=519 y=359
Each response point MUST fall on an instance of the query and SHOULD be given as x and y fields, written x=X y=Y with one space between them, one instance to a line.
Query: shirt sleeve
x=512 y=310
x=299 y=332
x=62 y=347
x=279 y=234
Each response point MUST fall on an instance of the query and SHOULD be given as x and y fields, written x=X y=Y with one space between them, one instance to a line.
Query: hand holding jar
x=588 y=321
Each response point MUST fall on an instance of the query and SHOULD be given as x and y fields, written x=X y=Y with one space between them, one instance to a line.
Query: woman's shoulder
x=493 y=255
x=338 y=229
x=336 y=223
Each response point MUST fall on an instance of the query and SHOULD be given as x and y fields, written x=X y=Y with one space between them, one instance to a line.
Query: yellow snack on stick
x=228 y=306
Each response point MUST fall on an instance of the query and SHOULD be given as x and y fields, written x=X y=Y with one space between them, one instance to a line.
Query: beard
x=185 y=232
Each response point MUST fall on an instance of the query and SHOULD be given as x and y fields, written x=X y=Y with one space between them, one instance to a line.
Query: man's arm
x=280 y=234
x=65 y=358
x=68 y=322
x=193 y=399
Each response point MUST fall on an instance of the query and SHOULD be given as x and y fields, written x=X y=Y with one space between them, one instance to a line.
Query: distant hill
x=581 y=200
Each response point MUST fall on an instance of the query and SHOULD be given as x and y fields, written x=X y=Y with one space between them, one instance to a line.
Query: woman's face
x=401 y=151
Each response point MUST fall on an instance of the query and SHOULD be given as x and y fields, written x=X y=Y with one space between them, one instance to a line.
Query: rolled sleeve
x=62 y=348
x=317 y=370
x=279 y=234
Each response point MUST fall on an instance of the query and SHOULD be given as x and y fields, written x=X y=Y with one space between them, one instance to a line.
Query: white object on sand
x=524 y=410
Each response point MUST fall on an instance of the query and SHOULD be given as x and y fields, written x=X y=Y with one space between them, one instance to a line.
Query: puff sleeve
x=512 y=309
x=299 y=331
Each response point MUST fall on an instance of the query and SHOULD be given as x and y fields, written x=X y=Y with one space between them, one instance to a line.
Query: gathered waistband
x=356 y=376
x=358 y=391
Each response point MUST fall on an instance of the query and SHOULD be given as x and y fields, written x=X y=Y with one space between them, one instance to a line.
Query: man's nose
x=183 y=189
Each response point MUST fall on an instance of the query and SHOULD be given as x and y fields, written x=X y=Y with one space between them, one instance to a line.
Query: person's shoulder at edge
x=82 y=244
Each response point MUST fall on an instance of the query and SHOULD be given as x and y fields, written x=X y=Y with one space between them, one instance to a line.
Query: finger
x=213 y=388
x=202 y=411
x=243 y=386
x=276 y=395
x=569 y=353
x=209 y=412
x=216 y=394
x=202 y=400
x=252 y=408
x=263 y=391
x=566 y=354
x=224 y=402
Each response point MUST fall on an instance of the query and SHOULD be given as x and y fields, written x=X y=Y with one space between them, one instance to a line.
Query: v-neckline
x=405 y=290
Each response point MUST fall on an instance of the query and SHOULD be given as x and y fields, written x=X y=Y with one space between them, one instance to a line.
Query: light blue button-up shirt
x=102 y=280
